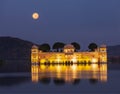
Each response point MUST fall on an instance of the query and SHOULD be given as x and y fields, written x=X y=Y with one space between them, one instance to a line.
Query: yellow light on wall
x=74 y=59
x=42 y=61
x=94 y=60
x=58 y=60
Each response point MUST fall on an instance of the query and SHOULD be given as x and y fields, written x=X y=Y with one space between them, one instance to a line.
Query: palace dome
x=69 y=46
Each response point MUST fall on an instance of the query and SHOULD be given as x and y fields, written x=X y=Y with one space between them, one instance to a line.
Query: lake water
x=63 y=79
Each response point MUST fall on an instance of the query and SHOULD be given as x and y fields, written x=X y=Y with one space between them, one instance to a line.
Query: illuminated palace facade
x=69 y=55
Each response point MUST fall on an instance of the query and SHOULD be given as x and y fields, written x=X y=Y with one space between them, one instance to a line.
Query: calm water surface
x=63 y=79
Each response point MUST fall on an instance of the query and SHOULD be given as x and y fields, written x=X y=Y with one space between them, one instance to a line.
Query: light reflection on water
x=63 y=79
x=69 y=73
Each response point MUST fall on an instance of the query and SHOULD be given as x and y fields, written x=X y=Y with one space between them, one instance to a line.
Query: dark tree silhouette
x=76 y=45
x=92 y=46
x=58 y=46
x=44 y=47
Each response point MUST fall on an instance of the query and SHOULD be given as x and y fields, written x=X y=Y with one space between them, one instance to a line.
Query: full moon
x=35 y=16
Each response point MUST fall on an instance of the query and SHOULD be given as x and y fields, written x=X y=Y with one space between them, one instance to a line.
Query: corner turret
x=34 y=54
x=103 y=53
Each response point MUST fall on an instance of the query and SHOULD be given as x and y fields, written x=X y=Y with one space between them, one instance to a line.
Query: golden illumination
x=70 y=73
x=94 y=60
x=34 y=73
x=94 y=66
x=35 y=16
x=74 y=67
x=69 y=56
x=74 y=60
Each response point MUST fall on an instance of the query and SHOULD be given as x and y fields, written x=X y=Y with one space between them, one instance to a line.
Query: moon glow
x=35 y=16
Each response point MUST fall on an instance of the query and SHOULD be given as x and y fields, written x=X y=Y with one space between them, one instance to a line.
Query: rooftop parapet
x=34 y=47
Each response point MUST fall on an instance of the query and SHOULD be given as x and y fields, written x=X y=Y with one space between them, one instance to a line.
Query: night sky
x=83 y=21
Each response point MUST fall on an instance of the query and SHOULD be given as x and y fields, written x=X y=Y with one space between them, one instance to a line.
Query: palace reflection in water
x=69 y=73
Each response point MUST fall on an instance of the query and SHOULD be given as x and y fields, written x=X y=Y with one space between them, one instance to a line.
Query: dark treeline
x=58 y=47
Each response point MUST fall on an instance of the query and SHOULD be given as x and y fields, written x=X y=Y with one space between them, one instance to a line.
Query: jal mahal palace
x=68 y=55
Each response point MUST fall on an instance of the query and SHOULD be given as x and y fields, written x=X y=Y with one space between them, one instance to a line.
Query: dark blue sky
x=83 y=21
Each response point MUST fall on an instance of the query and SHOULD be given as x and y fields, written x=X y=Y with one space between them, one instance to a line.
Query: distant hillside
x=114 y=54
x=14 y=48
x=114 y=50
x=15 y=54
